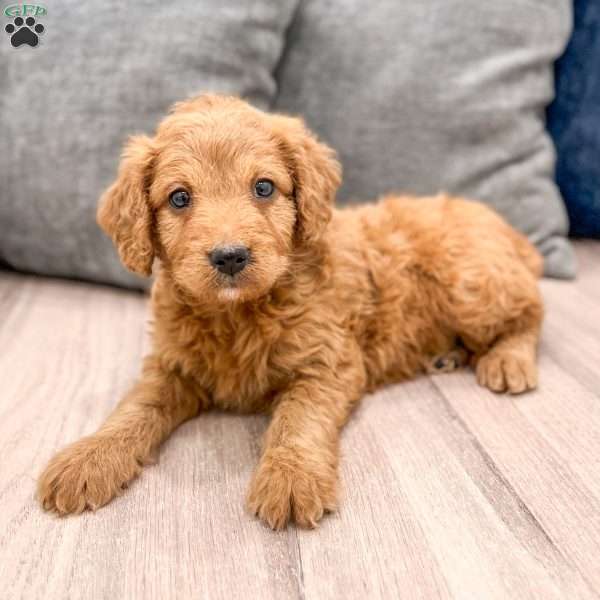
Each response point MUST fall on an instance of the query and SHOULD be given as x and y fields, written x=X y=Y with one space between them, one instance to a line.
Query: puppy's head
x=223 y=195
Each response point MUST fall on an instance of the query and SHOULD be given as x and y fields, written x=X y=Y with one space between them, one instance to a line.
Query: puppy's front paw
x=286 y=486
x=87 y=474
x=505 y=371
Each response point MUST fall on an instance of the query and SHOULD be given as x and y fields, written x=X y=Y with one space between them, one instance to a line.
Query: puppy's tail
x=528 y=253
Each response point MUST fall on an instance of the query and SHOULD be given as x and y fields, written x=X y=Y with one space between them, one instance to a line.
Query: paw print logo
x=24 y=32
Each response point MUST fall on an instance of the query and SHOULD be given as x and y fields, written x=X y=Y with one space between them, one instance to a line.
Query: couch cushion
x=574 y=121
x=103 y=71
x=438 y=95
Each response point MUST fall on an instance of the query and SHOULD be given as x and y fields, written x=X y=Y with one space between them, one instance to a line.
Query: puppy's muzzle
x=229 y=259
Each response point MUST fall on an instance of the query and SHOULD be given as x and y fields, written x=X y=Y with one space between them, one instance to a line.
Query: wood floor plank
x=588 y=257
x=568 y=418
x=474 y=515
x=449 y=491
x=571 y=332
x=559 y=496
x=181 y=528
x=432 y=495
x=374 y=547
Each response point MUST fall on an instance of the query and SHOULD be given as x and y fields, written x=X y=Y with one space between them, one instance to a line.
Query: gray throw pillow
x=438 y=95
x=415 y=96
x=103 y=71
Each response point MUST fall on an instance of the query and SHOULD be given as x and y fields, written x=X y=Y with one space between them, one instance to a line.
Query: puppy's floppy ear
x=124 y=212
x=316 y=174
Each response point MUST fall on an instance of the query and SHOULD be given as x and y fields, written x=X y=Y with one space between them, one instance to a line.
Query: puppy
x=267 y=298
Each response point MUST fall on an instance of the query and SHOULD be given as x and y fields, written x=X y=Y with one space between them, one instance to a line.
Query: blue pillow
x=574 y=121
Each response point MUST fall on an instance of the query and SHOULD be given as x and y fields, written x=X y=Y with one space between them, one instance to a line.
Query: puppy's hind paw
x=447 y=362
x=507 y=372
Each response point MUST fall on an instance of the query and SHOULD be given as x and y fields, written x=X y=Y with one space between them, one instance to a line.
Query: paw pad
x=24 y=32
x=446 y=363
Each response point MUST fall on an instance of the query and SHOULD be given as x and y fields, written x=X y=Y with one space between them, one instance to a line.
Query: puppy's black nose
x=229 y=259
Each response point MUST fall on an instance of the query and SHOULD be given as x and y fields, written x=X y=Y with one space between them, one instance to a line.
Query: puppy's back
x=427 y=222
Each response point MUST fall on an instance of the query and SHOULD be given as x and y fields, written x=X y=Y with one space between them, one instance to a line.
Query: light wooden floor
x=450 y=491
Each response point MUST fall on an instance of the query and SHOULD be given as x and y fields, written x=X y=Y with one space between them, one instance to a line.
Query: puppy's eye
x=179 y=199
x=264 y=188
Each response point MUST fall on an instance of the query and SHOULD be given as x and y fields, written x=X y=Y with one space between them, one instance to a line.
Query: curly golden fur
x=332 y=303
